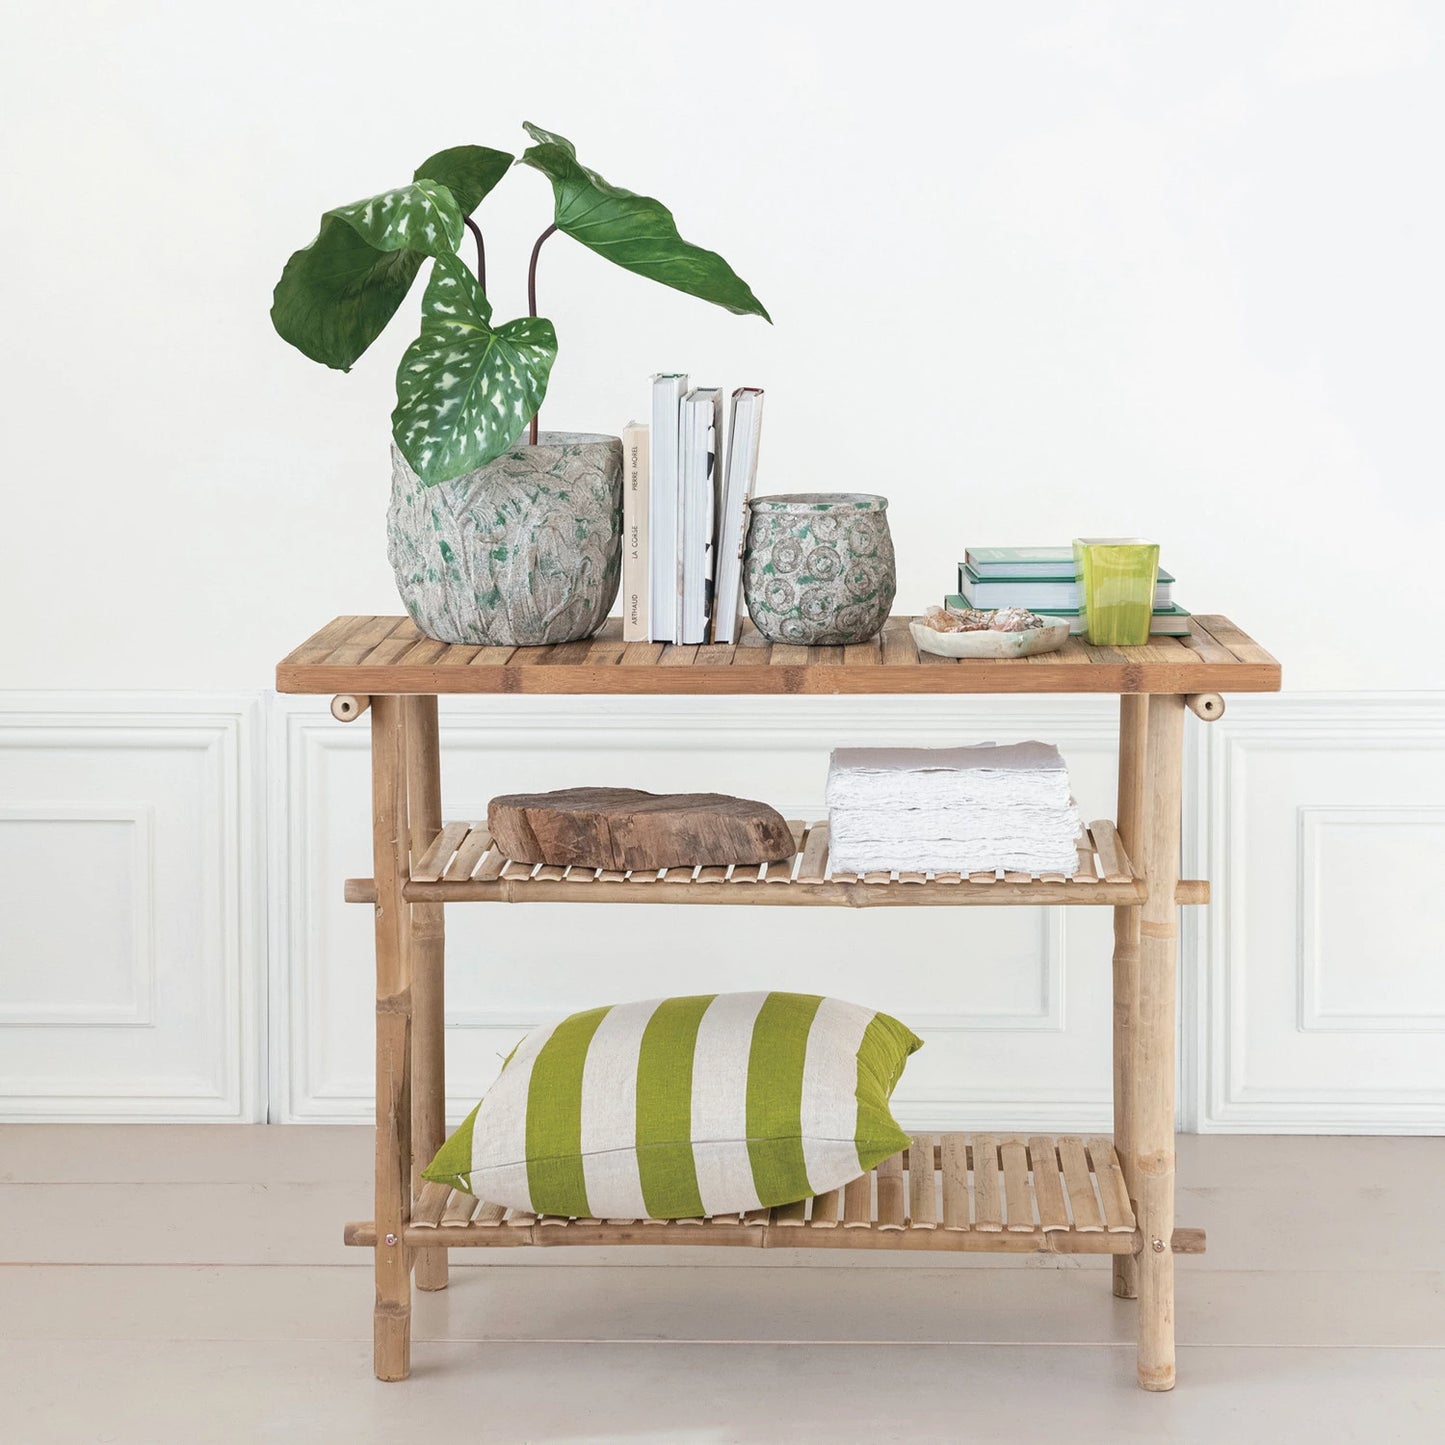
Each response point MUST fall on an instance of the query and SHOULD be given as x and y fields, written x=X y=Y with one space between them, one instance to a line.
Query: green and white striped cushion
x=677 y=1107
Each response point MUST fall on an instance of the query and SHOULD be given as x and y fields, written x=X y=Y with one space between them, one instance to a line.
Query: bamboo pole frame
x=390 y=850
x=428 y=952
x=1153 y=1052
x=1133 y=722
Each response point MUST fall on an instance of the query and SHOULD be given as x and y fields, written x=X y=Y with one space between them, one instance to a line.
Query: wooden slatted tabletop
x=387 y=655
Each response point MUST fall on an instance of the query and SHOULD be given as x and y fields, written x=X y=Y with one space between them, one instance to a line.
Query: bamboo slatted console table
x=953 y=1191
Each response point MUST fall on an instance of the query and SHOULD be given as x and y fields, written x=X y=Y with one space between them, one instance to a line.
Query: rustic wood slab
x=625 y=828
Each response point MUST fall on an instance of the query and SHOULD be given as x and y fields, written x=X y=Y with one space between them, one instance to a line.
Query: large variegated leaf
x=465 y=390
x=336 y=295
x=468 y=172
x=635 y=232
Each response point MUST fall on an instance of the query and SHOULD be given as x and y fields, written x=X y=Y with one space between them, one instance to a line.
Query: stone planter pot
x=523 y=552
x=818 y=567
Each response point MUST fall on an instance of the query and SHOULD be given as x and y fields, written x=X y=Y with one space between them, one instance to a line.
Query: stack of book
x=688 y=480
x=952 y=810
x=1041 y=579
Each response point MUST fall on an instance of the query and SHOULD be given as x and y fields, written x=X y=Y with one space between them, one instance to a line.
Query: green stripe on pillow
x=884 y=1051
x=665 y=1164
x=775 y=1095
x=554 y=1117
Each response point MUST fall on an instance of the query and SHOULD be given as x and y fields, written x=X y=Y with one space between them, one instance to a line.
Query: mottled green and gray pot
x=525 y=551
x=819 y=567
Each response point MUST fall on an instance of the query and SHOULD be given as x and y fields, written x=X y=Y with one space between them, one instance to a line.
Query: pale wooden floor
x=1317 y=1315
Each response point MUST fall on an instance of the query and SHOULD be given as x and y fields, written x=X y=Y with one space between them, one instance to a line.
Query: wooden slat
x=787 y=1215
x=987 y=1206
x=824 y=1213
x=1086 y=872
x=549 y=873
x=519 y=1219
x=491 y=866
x=677 y=654
x=323 y=643
x=713 y=873
x=485 y=659
x=891 y=1209
x=517 y=871
x=922 y=1199
x=1211 y=651
x=863 y=654
x=746 y=873
x=1224 y=632
x=914 y=878
x=1018 y=1202
x=680 y=874
x=757 y=1216
x=815 y=855
x=1082 y=1203
x=1014 y=876
x=641 y=654
x=783 y=872
x=1113 y=865
x=787 y=654
x=715 y=654
x=430 y=1204
x=953 y=1166
x=875 y=879
x=1048 y=1192
x=476 y=843
x=948 y=878
x=1118 y=1213
x=459 y=1210
x=984 y=878
x=858 y=1203
x=429 y=867
x=898 y=646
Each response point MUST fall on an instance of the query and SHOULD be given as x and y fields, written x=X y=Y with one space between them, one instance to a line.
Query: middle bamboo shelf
x=461 y=865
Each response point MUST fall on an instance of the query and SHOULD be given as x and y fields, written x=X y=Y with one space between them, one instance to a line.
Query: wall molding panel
x=174 y=945
x=132 y=957
x=1320 y=999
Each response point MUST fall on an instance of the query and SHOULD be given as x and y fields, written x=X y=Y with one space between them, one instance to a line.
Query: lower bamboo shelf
x=462 y=865
x=978 y=1192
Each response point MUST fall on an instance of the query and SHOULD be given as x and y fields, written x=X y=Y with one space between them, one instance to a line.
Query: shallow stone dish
x=988 y=643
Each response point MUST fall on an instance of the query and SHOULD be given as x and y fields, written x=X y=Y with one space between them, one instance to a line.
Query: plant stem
x=476 y=231
x=532 y=301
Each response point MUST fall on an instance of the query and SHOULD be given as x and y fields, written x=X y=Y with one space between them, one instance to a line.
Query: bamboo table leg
x=1133 y=721
x=428 y=1070
x=392 y=1319
x=1154 y=1043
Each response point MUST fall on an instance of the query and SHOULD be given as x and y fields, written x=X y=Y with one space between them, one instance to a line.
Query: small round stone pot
x=524 y=552
x=818 y=568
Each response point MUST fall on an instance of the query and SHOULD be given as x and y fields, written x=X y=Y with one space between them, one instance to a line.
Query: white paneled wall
x=147 y=957
x=1322 y=969
x=132 y=958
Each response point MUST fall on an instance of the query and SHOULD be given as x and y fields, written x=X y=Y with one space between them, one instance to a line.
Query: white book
x=636 y=563
x=744 y=433
x=665 y=518
x=701 y=463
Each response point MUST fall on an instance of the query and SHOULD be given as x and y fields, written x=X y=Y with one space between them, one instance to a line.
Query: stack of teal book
x=1041 y=579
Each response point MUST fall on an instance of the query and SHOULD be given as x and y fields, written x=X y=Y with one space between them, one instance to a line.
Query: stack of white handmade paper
x=952 y=810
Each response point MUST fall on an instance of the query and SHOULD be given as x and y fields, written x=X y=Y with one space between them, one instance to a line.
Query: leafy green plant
x=466 y=389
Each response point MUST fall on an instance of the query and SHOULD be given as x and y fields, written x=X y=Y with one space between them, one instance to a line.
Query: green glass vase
x=1116 y=577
